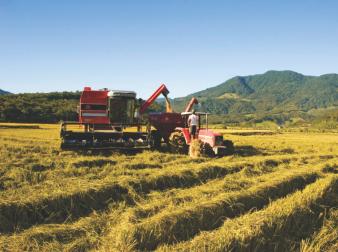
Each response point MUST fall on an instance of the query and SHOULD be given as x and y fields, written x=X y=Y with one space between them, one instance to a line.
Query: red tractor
x=116 y=119
x=213 y=143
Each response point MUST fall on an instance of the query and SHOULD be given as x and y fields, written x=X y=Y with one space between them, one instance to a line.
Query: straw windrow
x=52 y=200
x=182 y=224
x=279 y=227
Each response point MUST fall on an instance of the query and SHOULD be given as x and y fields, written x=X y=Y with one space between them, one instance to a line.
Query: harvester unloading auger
x=111 y=119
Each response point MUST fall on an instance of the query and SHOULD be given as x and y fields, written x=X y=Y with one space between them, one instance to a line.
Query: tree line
x=44 y=107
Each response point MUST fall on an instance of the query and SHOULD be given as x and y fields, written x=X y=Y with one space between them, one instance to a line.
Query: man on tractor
x=193 y=123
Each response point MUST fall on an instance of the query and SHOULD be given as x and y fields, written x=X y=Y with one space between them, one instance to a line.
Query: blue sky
x=56 y=45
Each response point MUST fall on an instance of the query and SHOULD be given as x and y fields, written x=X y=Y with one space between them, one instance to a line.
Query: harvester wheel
x=230 y=148
x=177 y=143
x=155 y=139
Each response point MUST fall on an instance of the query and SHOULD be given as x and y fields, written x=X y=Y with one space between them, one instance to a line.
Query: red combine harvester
x=111 y=119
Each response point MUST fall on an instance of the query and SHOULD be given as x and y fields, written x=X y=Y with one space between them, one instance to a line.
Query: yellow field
x=279 y=191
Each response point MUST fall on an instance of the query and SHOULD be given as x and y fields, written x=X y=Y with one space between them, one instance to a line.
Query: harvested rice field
x=278 y=192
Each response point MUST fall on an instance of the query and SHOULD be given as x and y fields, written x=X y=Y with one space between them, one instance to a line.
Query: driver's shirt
x=193 y=119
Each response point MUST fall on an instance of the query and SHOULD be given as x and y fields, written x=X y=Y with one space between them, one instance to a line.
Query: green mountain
x=273 y=94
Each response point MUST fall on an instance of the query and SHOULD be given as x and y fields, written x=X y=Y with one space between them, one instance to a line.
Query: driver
x=193 y=123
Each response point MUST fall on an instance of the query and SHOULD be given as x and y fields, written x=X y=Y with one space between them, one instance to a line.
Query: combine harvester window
x=122 y=110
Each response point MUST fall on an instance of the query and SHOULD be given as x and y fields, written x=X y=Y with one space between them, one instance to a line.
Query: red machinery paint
x=93 y=107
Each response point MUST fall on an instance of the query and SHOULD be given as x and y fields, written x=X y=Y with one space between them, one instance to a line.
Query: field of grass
x=278 y=192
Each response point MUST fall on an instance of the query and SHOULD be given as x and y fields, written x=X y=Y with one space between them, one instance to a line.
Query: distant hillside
x=3 y=92
x=39 y=107
x=280 y=97
x=281 y=93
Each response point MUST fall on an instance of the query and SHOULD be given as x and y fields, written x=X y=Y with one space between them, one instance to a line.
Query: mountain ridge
x=4 y=92
x=271 y=91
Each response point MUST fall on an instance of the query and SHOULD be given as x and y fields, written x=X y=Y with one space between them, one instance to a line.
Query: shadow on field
x=243 y=151
x=253 y=133
x=247 y=151
x=20 y=127
x=107 y=153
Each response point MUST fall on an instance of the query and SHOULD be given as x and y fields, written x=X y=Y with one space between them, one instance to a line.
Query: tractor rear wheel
x=177 y=143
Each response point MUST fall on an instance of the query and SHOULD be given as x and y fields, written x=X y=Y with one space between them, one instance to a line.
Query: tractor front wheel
x=177 y=143
x=207 y=150
x=230 y=148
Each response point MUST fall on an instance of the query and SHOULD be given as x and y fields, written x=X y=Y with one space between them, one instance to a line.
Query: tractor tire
x=177 y=143
x=207 y=150
x=230 y=148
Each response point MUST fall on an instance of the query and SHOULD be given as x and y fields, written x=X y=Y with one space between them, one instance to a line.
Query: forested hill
x=39 y=107
x=272 y=91
x=274 y=94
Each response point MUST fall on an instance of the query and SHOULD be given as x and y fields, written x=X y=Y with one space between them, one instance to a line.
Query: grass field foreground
x=277 y=192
